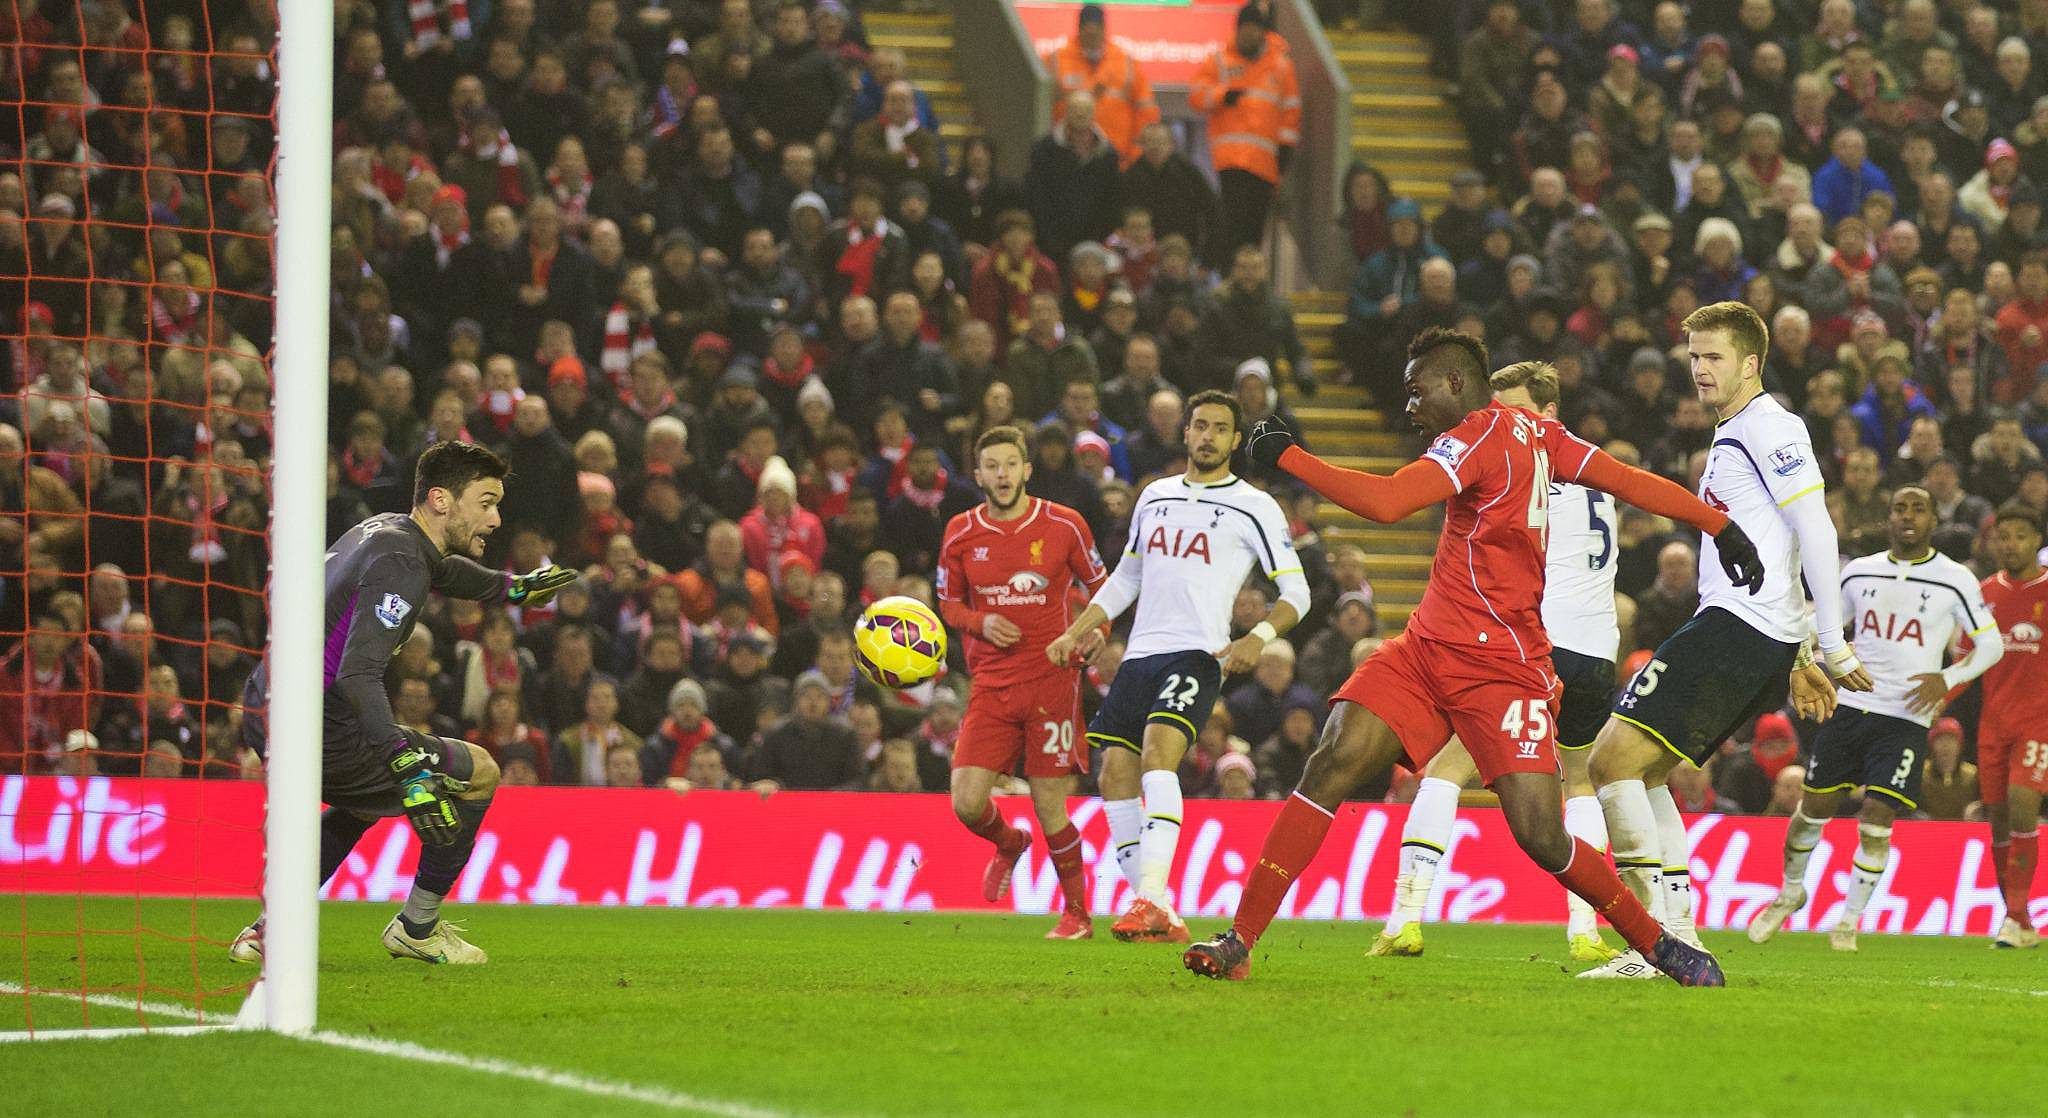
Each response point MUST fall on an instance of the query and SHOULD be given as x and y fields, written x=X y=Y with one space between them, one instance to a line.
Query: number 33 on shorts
x=2034 y=755
x=1527 y=723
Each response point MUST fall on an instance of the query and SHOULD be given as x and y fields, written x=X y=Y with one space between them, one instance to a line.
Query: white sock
x=1583 y=821
x=1632 y=831
x=1126 y=821
x=1871 y=856
x=1161 y=836
x=1800 y=839
x=1677 y=867
x=1425 y=841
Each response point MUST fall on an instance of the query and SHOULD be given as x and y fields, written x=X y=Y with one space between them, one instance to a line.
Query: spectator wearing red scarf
x=1000 y=290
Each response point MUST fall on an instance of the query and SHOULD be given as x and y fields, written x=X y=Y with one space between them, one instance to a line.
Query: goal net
x=139 y=187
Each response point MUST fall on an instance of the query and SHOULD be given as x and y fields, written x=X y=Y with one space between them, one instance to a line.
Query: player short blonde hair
x=1538 y=377
x=1745 y=328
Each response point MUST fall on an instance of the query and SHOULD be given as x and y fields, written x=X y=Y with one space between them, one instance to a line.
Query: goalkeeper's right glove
x=428 y=806
x=536 y=586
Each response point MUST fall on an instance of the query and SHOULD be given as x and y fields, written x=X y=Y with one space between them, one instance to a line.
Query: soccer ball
x=899 y=642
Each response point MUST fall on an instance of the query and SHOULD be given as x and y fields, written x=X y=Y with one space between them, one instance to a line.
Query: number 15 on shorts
x=1527 y=724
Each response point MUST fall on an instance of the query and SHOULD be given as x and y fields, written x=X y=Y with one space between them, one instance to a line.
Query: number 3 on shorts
x=1059 y=738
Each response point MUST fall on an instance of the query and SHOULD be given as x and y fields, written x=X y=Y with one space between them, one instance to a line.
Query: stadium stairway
x=1402 y=119
x=926 y=40
x=1339 y=425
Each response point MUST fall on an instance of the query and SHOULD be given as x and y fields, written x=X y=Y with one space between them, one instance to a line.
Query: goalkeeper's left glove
x=428 y=807
x=535 y=587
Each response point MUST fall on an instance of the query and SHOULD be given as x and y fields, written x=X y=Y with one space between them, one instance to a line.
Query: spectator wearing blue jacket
x=1842 y=183
x=1889 y=406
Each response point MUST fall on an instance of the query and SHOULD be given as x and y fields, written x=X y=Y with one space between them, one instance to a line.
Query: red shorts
x=2007 y=762
x=1505 y=711
x=1037 y=722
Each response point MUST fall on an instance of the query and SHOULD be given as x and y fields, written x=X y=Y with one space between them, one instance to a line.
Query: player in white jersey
x=1194 y=539
x=1906 y=607
x=1737 y=656
x=1578 y=613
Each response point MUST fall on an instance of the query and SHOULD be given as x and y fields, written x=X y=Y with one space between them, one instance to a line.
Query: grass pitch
x=832 y=1013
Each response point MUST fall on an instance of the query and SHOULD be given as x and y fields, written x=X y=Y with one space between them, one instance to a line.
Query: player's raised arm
x=1382 y=500
x=1664 y=497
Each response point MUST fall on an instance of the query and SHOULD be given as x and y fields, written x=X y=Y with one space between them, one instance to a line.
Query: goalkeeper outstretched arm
x=458 y=576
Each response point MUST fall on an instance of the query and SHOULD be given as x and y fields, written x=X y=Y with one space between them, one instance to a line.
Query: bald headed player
x=378 y=576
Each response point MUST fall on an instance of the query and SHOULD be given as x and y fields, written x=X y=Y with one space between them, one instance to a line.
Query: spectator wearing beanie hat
x=576 y=412
x=1236 y=777
x=809 y=750
x=684 y=730
x=1988 y=195
x=777 y=524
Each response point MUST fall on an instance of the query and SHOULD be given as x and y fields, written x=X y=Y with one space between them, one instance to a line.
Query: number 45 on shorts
x=1527 y=724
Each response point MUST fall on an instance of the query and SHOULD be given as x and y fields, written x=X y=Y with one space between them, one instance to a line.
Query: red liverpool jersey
x=2016 y=688
x=1486 y=586
x=1021 y=569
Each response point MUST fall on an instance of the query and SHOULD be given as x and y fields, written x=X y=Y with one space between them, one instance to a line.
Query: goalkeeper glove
x=428 y=807
x=535 y=587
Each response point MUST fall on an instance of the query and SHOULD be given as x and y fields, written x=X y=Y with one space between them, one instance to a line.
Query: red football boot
x=1149 y=923
x=995 y=880
x=1073 y=925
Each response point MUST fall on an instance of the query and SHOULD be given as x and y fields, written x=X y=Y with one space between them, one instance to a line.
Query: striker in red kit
x=2012 y=736
x=1475 y=659
x=1007 y=568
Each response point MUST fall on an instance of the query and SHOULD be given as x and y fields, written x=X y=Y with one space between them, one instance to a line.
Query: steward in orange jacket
x=1253 y=103
x=1090 y=63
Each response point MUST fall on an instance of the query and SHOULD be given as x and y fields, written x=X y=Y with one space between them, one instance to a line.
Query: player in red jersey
x=1475 y=660
x=2012 y=736
x=1005 y=571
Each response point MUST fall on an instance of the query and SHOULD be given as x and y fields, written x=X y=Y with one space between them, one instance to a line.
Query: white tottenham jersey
x=1761 y=461
x=1903 y=618
x=1579 y=570
x=1191 y=547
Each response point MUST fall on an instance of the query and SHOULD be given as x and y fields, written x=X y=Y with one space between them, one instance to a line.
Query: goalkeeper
x=378 y=576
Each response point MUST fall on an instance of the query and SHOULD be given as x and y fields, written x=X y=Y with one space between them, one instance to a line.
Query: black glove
x=428 y=806
x=536 y=586
x=1231 y=97
x=1269 y=439
x=1305 y=383
x=1739 y=559
x=1286 y=157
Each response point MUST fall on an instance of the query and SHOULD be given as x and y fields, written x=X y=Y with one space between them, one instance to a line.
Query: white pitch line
x=602 y=1088
x=115 y=1001
x=398 y=1049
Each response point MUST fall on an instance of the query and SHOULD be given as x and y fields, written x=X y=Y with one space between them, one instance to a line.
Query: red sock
x=2018 y=878
x=1065 y=847
x=1589 y=875
x=994 y=829
x=1290 y=846
x=2000 y=853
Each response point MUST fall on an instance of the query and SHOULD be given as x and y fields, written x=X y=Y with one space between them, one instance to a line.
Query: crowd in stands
x=715 y=279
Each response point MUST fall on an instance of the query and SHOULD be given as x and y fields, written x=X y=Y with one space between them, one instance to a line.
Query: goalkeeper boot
x=1407 y=942
x=1590 y=948
x=1765 y=924
x=995 y=880
x=1221 y=956
x=1073 y=925
x=444 y=944
x=248 y=947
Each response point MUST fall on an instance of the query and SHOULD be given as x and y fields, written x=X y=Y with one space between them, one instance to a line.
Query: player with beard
x=1006 y=570
x=378 y=576
x=1475 y=658
x=1194 y=539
